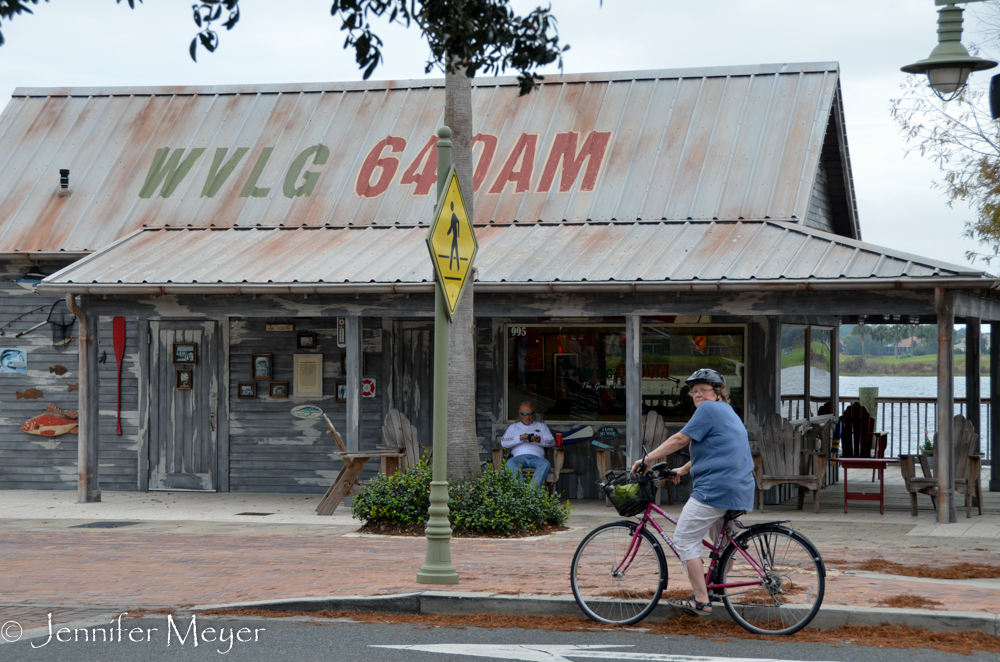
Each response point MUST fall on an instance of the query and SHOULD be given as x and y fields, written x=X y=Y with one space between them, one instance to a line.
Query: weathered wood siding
x=30 y=461
x=118 y=453
x=269 y=449
x=819 y=213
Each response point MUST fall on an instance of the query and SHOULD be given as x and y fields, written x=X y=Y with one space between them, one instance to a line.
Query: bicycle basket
x=629 y=493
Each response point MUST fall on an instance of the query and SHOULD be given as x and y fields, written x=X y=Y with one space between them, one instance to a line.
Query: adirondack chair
x=354 y=462
x=783 y=459
x=399 y=434
x=654 y=433
x=858 y=435
x=968 y=470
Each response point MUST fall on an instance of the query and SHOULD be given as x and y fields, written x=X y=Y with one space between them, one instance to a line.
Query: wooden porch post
x=944 y=454
x=352 y=366
x=88 y=479
x=835 y=370
x=994 y=408
x=633 y=388
x=972 y=360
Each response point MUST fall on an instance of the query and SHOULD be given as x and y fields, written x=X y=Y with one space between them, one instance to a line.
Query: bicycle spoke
x=788 y=594
x=611 y=584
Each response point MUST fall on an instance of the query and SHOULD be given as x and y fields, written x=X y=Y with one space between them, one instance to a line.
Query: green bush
x=496 y=502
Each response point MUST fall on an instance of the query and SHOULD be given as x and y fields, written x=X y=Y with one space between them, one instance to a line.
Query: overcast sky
x=98 y=42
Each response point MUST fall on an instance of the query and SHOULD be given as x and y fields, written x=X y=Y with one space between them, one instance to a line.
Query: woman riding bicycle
x=722 y=470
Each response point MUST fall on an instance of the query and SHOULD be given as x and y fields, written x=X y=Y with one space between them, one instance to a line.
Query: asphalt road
x=159 y=637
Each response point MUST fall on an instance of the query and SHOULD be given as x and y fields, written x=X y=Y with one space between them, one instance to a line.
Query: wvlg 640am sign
x=452 y=242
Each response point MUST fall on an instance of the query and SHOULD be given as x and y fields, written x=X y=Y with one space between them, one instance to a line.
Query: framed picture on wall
x=246 y=390
x=260 y=367
x=308 y=374
x=278 y=390
x=185 y=379
x=341 y=392
x=185 y=352
x=306 y=340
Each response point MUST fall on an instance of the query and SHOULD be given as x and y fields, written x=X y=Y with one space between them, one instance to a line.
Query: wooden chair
x=858 y=435
x=555 y=456
x=398 y=434
x=354 y=463
x=968 y=470
x=654 y=433
x=784 y=458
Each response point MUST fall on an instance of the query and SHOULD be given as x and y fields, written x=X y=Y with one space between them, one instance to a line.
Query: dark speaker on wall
x=995 y=97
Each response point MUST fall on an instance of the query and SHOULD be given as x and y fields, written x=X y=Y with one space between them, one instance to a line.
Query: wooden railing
x=909 y=421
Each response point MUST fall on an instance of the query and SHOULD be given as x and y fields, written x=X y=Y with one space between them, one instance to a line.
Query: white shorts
x=696 y=520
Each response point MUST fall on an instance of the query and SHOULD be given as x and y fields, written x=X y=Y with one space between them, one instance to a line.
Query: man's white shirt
x=512 y=439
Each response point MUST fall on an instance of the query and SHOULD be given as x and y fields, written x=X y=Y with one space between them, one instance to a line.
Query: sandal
x=691 y=606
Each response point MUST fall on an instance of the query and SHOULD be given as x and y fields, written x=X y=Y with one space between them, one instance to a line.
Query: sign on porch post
x=448 y=242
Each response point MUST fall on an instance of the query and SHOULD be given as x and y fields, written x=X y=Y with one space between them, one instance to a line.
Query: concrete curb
x=457 y=604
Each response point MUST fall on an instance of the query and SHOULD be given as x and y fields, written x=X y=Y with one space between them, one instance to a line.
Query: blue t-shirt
x=721 y=465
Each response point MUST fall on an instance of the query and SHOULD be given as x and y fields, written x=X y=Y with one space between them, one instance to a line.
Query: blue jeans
x=539 y=464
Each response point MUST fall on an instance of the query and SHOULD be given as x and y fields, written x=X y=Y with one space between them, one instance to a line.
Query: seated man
x=527 y=440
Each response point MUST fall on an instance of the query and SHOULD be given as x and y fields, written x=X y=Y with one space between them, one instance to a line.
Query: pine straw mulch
x=908 y=601
x=417 y=530
x=954 y=571
x=880 y=636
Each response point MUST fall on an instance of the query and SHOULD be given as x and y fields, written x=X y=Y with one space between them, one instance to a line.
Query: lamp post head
x=949 y=64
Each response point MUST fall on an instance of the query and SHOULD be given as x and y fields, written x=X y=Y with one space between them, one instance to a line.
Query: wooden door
x=182 y=421
x=414 y=382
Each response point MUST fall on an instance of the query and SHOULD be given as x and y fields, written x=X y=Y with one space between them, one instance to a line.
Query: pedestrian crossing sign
x=452 y=242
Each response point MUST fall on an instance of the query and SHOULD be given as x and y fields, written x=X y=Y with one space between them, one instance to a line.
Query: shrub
x=495 y=502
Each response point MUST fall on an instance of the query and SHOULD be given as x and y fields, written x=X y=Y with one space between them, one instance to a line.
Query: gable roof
x=648 y=256
x=723 y=143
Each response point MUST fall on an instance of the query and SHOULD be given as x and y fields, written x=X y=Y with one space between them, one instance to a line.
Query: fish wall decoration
x=58 y=370
x=52 y=423
x=74 y=387
x=30 y=394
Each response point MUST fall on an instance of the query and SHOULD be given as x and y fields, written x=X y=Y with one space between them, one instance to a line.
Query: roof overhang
x=636 y=257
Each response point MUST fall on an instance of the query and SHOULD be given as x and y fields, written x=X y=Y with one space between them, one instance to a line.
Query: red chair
x=859 y=437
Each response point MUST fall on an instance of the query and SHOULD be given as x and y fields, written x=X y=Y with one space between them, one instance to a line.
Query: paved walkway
x=187 y=549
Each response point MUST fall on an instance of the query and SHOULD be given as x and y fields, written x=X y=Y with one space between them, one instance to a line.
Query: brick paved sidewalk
x=149 y=565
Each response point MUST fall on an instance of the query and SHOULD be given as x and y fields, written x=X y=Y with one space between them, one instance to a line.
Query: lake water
x=892 y=386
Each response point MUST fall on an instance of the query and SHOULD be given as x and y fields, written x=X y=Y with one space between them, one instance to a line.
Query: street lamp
x=949 y=64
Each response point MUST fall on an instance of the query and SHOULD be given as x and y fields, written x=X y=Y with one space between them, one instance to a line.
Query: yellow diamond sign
x=452 y=242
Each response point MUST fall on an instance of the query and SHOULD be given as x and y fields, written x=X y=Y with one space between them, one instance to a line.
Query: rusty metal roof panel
x=709 y=143
x=746 y=252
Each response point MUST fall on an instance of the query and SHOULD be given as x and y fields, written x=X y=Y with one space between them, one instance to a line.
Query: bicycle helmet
x=706 y=376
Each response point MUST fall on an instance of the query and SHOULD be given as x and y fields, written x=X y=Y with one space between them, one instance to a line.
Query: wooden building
x=631 y=226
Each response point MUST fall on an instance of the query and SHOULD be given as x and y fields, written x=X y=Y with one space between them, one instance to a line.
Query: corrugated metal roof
x=722 y=142
x=717 y=254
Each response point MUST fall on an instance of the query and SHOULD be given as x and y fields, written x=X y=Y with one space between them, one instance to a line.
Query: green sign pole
x=437 y=568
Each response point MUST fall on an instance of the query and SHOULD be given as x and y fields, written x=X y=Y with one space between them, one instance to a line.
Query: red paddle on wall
x=118 y=336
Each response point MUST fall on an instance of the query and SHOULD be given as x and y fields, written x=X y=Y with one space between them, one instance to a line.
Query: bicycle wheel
x=614 y=581
x=791 y=591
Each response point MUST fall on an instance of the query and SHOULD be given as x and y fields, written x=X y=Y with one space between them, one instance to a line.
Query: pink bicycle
x=770 y=577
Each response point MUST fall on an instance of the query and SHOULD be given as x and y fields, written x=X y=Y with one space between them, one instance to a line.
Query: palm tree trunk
x=463 y=444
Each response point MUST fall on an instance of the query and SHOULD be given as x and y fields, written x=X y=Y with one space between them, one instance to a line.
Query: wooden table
x=877 y=463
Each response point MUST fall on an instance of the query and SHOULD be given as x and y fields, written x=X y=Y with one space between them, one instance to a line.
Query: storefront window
x=671 y=353
x=569 y=373
x=793 y=371
x=797 y=386
x=821 y=371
